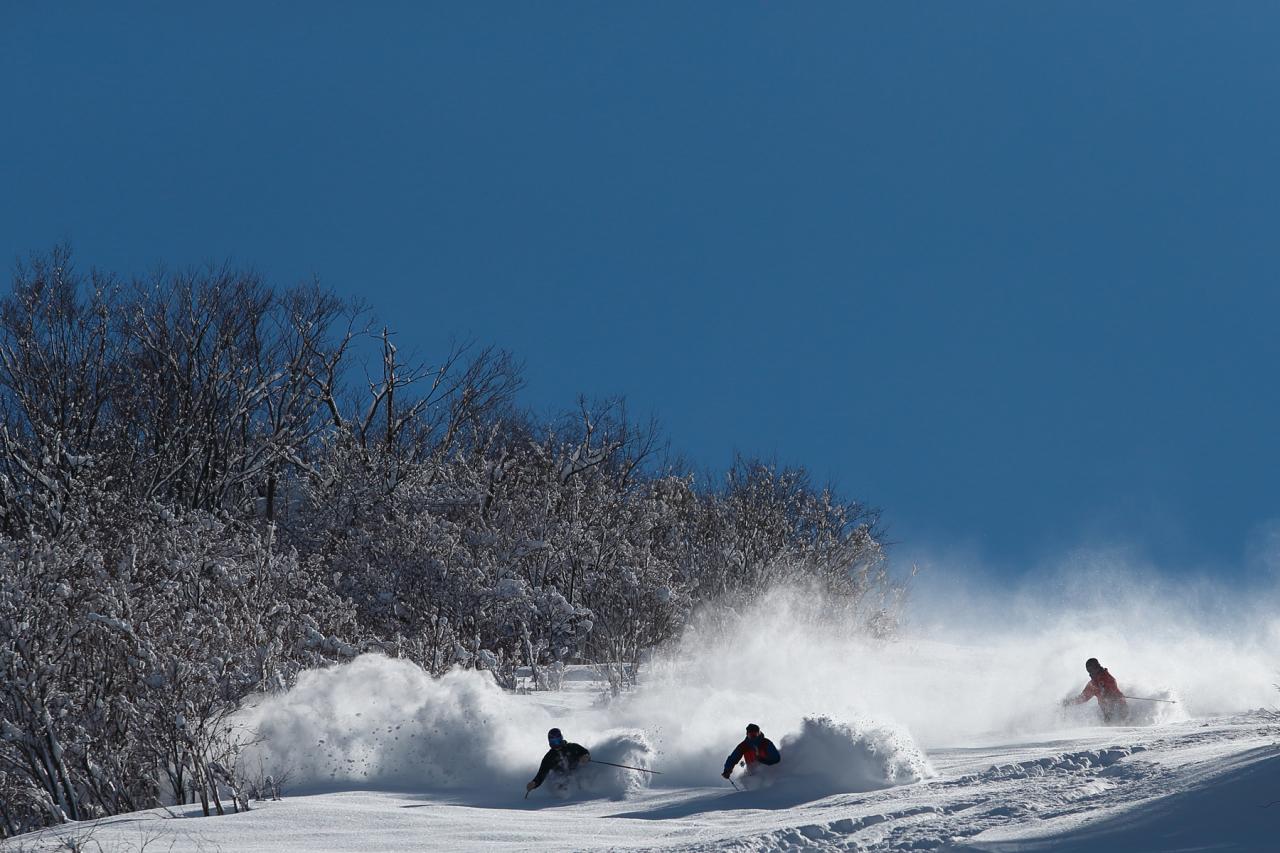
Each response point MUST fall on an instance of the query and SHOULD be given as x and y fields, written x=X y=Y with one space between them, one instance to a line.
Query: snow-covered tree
x=203 y=491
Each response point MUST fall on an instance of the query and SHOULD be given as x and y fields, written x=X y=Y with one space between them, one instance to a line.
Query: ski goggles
x=555 y=741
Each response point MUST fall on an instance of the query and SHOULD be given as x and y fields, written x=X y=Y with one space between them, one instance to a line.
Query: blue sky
x=1008 y=270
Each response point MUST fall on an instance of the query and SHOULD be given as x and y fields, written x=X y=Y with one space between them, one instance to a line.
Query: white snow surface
x=911 y=745
x=1196 y=784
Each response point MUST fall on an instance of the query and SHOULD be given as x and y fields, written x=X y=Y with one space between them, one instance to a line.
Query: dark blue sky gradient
x=1008 y=270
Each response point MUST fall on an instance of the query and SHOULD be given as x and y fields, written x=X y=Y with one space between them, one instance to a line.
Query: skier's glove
x=584 y=759
x=727 y=773
x=530 y=786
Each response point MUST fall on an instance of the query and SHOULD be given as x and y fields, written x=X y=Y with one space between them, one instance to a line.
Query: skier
x=563 y=757
x=754 y=748
x=1103 y=686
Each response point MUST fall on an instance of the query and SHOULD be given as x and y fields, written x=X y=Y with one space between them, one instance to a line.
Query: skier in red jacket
x=1102 y=685
x=755 y=748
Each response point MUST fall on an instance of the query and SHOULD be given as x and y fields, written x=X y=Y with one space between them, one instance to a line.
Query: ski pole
x=627 y=767
x=735 y=785
x=1146 y=699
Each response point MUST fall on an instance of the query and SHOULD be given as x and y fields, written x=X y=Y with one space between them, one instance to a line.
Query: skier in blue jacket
x=563 y=757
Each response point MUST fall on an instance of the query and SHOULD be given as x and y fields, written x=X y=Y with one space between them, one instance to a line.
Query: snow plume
x=386 y=724
x=830 y=756
x=383 y=723
x=973 y=665
x=999 y=657
x=782 y=664
x=786 y=666
x=975 y=661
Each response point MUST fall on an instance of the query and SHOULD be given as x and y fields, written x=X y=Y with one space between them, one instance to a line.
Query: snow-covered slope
x=917 y=744
x=1190 y=785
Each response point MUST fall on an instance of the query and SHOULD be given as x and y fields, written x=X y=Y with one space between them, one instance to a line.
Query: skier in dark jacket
x=563 y=757
x=756 y=748
x=1102 y=686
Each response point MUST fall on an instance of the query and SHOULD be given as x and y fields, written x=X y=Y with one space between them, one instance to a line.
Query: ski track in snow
x=1177 y=786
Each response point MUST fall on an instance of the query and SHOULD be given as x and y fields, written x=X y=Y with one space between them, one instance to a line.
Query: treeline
x=208 y=485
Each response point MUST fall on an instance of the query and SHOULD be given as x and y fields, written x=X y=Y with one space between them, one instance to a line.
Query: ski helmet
x=554 y=735
x=753 y=729
x=1092 y=665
